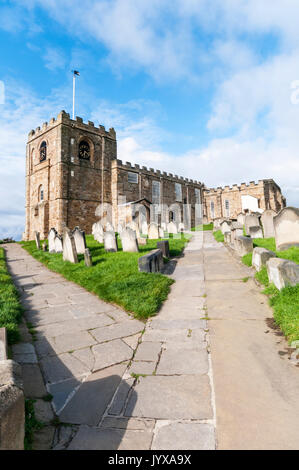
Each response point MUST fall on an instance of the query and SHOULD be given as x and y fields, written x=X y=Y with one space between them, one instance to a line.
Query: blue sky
x=202 y=89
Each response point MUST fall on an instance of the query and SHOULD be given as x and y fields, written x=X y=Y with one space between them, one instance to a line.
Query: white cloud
x=54 y=59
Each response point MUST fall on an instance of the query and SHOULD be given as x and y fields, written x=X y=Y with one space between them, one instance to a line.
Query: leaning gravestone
x=129 y=240
x=153 y=231
x=286 y=228
x=79 y=237
x=51 y=240
x=172 y=228
x=69 y=247
x=251 y=220
x=58 y=244
x=37 y=240
x=87 y=258
x=267 y=223
x=110 y=242
x=164 y=247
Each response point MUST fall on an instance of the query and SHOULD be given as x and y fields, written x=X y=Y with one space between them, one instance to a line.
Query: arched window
x=40 y=193
x=171 y=216
x=84 y=150
x=43 y=152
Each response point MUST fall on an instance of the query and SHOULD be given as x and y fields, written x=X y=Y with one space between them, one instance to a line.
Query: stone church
x=72 y=170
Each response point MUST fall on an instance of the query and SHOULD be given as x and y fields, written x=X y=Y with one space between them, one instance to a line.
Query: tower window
x=132 y=177
x=178 y=192
x=84 y=150
x=40 y=193
x=212 y=210
x=227 y=208
x=43 y=152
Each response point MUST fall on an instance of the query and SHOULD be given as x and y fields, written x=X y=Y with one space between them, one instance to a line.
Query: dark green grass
x=10 y=307
x=203 y=227
x=218 y=235
x=114 y=277
x=31 y=424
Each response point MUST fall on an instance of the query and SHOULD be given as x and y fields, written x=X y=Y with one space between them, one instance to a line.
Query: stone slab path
x=256 y=385
x=116 y=382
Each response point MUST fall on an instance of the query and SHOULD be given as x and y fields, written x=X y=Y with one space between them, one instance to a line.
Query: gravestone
x=69 y=247
x=153 y=231
x=282 y=272
x=87 y=258
x=44 y=247
x=256 y=231
x=260 y=256
x=251 y=220
x=141 y=241
x=152 y=262
x=98 y=232
x=172 y=228
x=164 y=226
x=144 y=228
x=129 y=240
x=241 y=219
x=164 y=247
x=110 y=242
x=109 y=227
x=286 y=228
x=133 y=226
x=58 y=244
x=161 y=232
x=225 y=226
x=37 y=240
x=267 y=223
x=227 y=237
x=243 y=245
x=181 y=227
x=79 y=237
x=51 y=240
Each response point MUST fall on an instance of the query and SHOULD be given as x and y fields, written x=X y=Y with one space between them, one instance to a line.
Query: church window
x=212 y=210
x=43 y=152
x=156 y=192
x=41 y=193
x=132 y=177
x=197 y=196
x=227 y=208
x=178 y=192
x=84 y=150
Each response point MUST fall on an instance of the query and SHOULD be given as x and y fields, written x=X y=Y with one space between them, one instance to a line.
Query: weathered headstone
x=110 y=241
x=144 y=228
x=51 y=240
x=87 y=258
x=243 y=245
x=58 y=244
x=256 y=232
x=37 y=240
x=241 y=219
x=164 y=226
x=152 y=262
x=172 y=228
x=267 y=223
x=44 y=247
x=282 y=272
x=129 y=240
x=161 y=232
x=260 y=256
x=227 y=237
x=141 y=241
x=163 y=245
x=69 y=247
x=153 y=231
x=98 y=232
x=133 y=226
x=109 y=227
x=286 y=227
x=181 y=227
x=225 y=226
x=79 y=237
x=251 y=220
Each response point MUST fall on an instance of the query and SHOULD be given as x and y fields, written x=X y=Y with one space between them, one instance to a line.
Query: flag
x=76 y=72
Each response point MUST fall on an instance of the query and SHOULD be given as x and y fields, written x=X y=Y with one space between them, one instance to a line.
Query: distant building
x=72 y=170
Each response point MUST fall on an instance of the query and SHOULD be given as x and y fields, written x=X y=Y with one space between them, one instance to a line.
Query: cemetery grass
x=291 y=254
x=203 y=227
x=114 y=277
x=218 y=235
x=11 y=309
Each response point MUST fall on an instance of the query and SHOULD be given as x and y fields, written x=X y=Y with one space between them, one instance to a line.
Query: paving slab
x=183 y=362
x=184 y=397
x=121 y=396
x=184 y=436
x=62 y=367
x=119 y=330
x=90 y=401
x=111 y=352
x=34 y=386
x=148 y=351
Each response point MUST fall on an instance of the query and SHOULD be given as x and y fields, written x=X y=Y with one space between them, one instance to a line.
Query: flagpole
x=74 y=88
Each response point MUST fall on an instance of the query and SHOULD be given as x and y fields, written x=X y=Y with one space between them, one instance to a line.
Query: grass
x=218 y=235
x=31 y=424
x=10 y=307
x=202 y=227
x=114 y=277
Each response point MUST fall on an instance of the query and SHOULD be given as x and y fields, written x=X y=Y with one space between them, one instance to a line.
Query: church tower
x=68 y=174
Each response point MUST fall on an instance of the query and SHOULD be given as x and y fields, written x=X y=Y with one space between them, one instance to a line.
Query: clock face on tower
x=84 y=150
